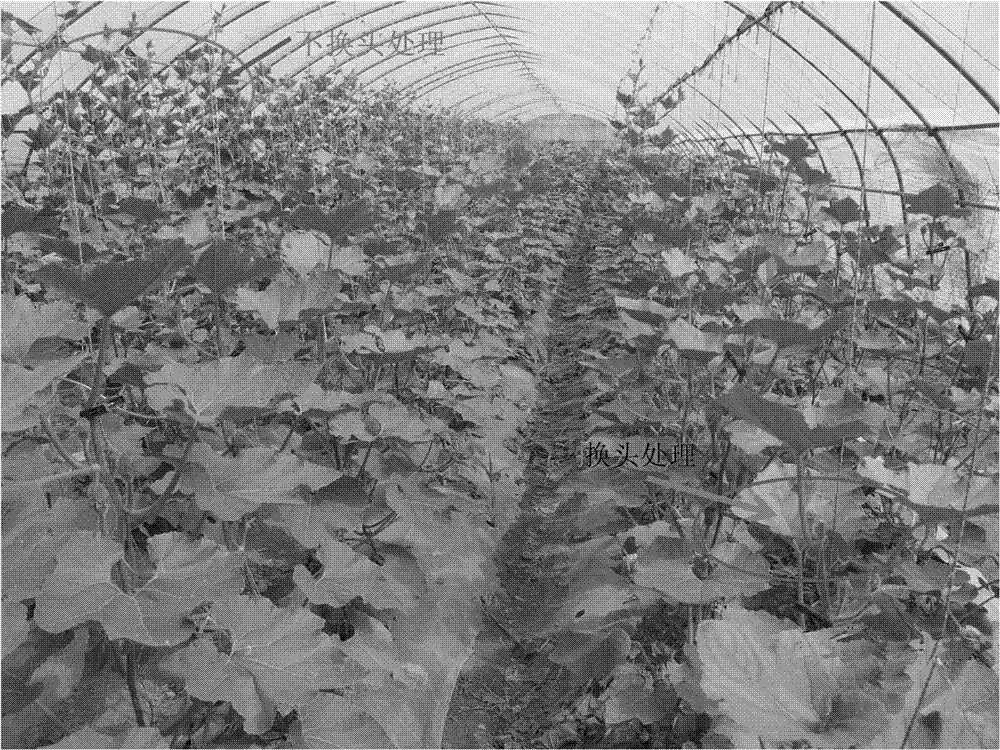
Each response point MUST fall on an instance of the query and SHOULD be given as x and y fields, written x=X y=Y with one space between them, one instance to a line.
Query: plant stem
x=129 y=655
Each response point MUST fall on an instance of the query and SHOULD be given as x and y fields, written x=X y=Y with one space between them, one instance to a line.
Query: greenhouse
x=500 y=374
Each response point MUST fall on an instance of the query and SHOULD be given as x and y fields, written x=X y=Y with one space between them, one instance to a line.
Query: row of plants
x=823 y=571
x=261 y=427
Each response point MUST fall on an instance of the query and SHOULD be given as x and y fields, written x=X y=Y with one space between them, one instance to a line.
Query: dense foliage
x=271 y=355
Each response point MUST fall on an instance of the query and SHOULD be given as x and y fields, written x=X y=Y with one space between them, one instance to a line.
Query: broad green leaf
x=935 y=201
x=60 y=674
x=794 y=149
x=330 y=721
x=231 y=487
x=935 y=486
x=590 y=656
x=402 y=422
x=772 y=499
x=136 y=738
x=278 y=659
x=37 y=520
x=953 y=704
x=644 y=310
x=628 y=697
x=845 y=210
x=356 y=217
x=21 y=384
x=25 y=322
x=749 y=437
x=786 y=333
x=224 y=265
x=785 y=423
x=351 y=424
x=350 y=260
x=347 y=574
x=285 y=299
x=393 y=345
x=110 y=286
x=209 y=388
x=14 y=621
x=775 y=681
x=304 y=250
x=677 y=263
x=690 y=340
x=186 y=574
x=673 y=566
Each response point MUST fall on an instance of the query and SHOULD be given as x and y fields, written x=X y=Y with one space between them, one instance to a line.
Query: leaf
x=450 y=197
x=278 y=659
x=21 y=384
x=438 y=225
x=772 y=500
x=208 y=389
x=935 y=201
x=811 y=176
x=785 y=333
x=352 y=218
x=628 y=697
x=935 y=486
x=346 y=575
x=844 y=211
x=24 y=323
x=135 y=738
x=785 y=423
x=224 y=265
x=965 y=704
x=231 y=487
x=692 y=340
x=60 y=674
x=988 y=288
x=750 y=438
x=401 y=422
x=110 y=286
x=669 y=566
x=794 y=149
x=285 y=299
x=772 y=679
x=141 y=208
x=350 y=260
x=644 y=310
x=804 y=258
x=590 y=655
x=303 y=250
x=16 y=218
x=186 y=574
x=274 y=348
x=14 y=621
x=71 y=251
x=37 y=521
x=678 y=264
x=330 y=721
x=957 y=709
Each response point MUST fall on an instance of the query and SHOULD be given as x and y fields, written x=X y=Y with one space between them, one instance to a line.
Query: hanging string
x=767 y=91
x=637 y=51
x=958 y=80
x=724 y=64
x=74 y=203
x=868 y=102
x=221 y=185
x=310 y=94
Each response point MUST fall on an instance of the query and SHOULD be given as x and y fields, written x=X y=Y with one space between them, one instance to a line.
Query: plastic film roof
x=901 y=94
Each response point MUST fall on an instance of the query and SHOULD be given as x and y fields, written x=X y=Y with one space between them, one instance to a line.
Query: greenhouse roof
x=861 y=80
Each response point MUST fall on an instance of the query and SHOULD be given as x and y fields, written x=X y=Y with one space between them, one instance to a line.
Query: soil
x=509 y=694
